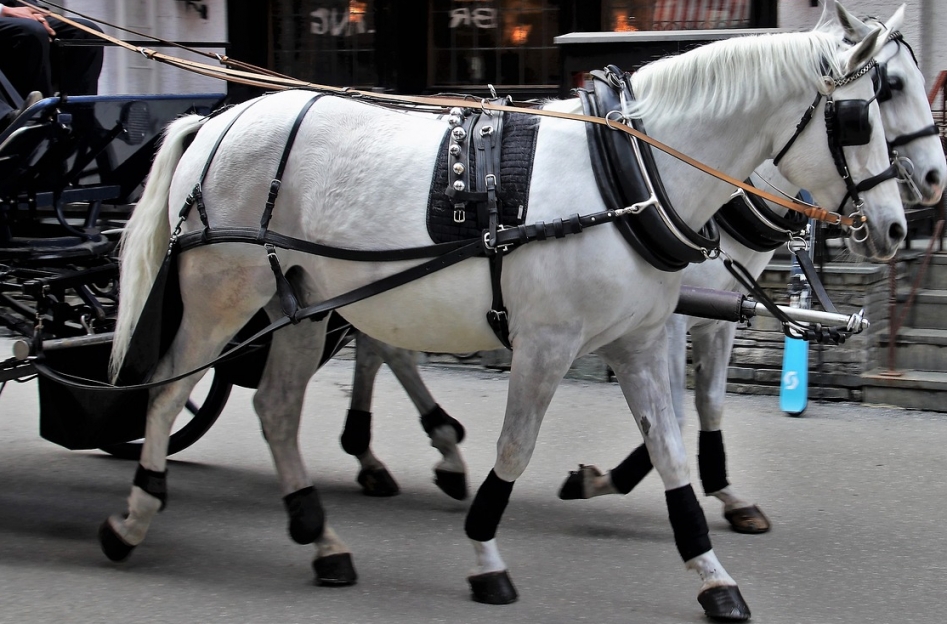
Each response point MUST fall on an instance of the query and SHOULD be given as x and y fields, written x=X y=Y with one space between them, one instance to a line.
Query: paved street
x=857 y=497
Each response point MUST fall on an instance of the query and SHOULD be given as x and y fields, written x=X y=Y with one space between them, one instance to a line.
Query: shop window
x=324 y=41
x=500 y=42
x=629 y=15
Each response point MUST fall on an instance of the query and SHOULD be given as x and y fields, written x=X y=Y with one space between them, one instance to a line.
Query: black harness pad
x=517 y=147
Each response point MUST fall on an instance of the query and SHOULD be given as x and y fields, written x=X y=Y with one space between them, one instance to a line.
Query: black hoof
x=454 y=484
x=750 y=520
x=377 y=483
x=573 y=488
x=724 y=604
x=335 y=570
x=492 y=588
x=113 y=546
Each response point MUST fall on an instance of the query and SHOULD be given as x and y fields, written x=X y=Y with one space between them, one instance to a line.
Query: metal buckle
x=460 y=214
x=490 y=246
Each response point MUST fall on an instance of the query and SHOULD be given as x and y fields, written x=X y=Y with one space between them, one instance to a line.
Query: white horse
x=712 y=341
x=356 y=179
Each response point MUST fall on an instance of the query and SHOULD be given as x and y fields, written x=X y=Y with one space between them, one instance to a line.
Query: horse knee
x=306 y=515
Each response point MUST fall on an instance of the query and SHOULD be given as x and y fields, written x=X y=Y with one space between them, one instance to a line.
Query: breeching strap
x=265 y=79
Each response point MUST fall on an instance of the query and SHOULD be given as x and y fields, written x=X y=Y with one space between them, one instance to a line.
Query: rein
x=265 y=79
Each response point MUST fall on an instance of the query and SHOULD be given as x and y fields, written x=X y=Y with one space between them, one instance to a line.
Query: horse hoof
x=748 y=520
x=454 y=484
x=492 y=588
x=335 y=570
x=377 y=483
x=724 y=604
x=575 y=486
x=114 y=547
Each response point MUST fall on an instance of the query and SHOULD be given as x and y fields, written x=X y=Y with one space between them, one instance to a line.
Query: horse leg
x=711 y=348
x=588 y=481
x=642 y=373
x=537 y=368
x=212 y=317
x=445 y=432
x=293 y=359
x=356 y=437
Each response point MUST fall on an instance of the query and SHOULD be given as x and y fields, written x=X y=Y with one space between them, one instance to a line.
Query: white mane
x=730 y=76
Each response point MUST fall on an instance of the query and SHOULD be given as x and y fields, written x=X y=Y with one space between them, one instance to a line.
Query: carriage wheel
x=200 y=412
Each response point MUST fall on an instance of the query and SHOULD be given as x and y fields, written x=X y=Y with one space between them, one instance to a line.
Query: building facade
x=925 y=25
x=426 y=46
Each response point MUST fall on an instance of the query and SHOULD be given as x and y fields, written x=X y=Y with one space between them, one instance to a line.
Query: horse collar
x=629 y=182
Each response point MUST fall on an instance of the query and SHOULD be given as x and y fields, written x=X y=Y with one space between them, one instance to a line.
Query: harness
x=627 y=176
x=648 y=213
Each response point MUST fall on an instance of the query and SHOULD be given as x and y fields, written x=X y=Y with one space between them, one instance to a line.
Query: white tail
x=145 y=239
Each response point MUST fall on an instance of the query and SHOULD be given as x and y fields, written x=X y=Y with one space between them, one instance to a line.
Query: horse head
x=912 y=136
x=844 y=128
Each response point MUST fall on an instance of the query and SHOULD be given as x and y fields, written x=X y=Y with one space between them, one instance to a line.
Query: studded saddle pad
x=517 y=146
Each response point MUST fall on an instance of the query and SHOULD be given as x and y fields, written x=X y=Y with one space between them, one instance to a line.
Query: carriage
x=71 y=169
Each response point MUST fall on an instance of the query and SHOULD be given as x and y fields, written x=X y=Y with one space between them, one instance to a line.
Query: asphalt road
x=856 y=494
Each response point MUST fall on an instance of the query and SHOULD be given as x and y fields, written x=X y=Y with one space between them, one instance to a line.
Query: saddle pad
x=517 y=146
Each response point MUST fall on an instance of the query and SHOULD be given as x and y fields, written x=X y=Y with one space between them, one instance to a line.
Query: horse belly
x=441 y=313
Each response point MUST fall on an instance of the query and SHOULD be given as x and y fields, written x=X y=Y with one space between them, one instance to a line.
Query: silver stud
x=459 y=134
x=455 y=150
x=459 y=185
x=454 y=120
x=459 y=168
x=458 y=111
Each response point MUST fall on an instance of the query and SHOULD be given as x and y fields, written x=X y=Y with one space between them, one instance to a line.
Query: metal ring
x=861 y=226
x=620 y=119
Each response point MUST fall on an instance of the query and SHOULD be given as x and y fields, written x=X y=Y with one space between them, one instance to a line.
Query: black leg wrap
x=626 y=475
x=357 y=434
x=487 y=508
x=712 y=461
x=335 y=570
x=306 y=517
x=154 y=483
x=687 y=519
x=437 y=417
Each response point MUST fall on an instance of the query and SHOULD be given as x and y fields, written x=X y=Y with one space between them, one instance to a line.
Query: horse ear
x=863 y=51
x=854 y=28
x=895 y=21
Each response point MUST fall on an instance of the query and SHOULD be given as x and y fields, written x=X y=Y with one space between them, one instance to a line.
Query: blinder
x=852 y=122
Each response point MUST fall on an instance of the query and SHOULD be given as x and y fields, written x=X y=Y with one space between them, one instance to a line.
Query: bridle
x=847 y=123
x=885 y=86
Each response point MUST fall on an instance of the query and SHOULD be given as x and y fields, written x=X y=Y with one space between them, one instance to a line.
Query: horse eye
x=895 y=83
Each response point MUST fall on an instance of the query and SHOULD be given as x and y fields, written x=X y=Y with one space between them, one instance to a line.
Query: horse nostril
x=896 y=232
x=933 y=178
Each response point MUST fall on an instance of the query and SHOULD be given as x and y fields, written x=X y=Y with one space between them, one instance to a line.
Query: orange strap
x=269 y=80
